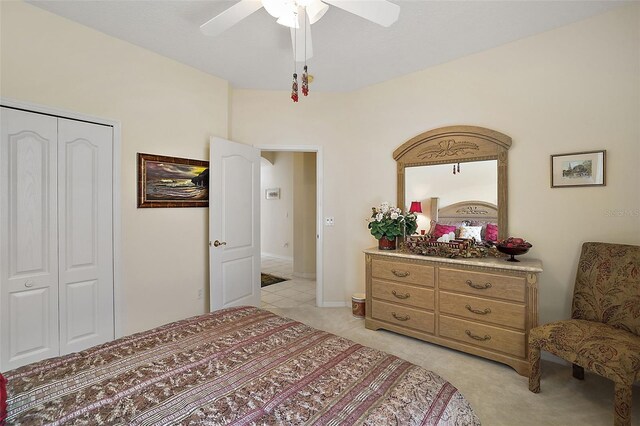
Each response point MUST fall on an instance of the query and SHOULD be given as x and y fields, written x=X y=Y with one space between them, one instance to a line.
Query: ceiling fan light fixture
x=275 y=8
x=289 y=19
x=316 y=9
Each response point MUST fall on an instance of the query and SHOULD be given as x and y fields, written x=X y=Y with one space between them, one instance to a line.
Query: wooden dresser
x=485 y=307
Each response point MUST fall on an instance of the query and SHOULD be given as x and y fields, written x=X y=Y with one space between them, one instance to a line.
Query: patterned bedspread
x=240 y=366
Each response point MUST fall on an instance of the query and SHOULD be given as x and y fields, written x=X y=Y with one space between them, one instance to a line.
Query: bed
x=472 y=213
x=240 y=366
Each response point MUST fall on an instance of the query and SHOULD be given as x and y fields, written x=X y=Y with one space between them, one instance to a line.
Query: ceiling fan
x=291 y=13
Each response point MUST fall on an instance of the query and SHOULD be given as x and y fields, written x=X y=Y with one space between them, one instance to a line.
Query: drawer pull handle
x=28 y=284
x=478 y=311
x=401 y=274
x=400 y=317
x=400 y=296
x=478 y=286
x=474 y=337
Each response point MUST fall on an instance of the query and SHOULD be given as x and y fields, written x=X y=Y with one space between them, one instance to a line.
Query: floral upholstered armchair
x=603 y=335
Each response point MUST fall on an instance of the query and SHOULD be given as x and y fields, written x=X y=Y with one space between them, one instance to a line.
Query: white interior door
x=234 y=224
x=85 y=232
x=28 y=238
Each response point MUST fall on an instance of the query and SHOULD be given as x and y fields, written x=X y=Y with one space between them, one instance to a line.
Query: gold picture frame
x=172 y=182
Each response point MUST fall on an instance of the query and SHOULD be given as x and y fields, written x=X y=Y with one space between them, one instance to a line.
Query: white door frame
x=118 y=300
x=319 y=212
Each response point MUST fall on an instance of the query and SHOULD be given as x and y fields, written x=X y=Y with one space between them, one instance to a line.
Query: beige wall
x=276 y=216
x=572 y=89
x=164 y=108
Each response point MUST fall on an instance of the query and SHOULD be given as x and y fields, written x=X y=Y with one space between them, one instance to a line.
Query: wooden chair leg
x=622 y=407
x=578 y=372
x=534 y=368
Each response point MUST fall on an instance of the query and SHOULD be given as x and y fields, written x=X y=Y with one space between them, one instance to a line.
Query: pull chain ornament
x=305 y=82
x=294 y=88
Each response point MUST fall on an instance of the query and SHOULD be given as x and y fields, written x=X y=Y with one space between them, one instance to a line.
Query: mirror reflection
x=451 y=184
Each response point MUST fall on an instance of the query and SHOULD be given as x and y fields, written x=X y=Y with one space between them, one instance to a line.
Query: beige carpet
x=497 y=393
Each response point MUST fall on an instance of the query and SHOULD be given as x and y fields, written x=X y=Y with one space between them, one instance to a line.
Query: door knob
x=217 y=243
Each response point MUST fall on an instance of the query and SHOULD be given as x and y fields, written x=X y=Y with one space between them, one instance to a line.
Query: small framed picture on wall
x=578 y=169
x=272 y=193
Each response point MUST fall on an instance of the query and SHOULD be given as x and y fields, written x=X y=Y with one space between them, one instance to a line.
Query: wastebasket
x=358 y=305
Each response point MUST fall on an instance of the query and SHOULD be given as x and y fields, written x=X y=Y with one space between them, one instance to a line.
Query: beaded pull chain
x=305 y=82
x=294 y=88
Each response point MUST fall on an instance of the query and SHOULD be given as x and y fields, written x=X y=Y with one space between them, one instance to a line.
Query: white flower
x=384 y=207
x=394 y=215
x=379 y=217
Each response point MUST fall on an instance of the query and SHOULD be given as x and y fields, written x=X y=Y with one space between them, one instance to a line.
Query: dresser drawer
x=403 y=316
x=401 y=293
x=403 y=272
x=481 y=309
x=482 y=284
x=484 y=336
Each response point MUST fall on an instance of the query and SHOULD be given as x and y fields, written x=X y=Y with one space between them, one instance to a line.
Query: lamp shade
x=416 y=207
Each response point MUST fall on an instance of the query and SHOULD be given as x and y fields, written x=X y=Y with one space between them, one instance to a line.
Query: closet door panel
x=28 y=238
x=30 y=314
x=85 y=196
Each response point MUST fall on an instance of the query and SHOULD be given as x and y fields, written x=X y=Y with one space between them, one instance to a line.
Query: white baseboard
x=334 y=305
x=277 y=256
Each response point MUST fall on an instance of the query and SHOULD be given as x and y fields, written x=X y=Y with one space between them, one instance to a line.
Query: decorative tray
x=456 y=248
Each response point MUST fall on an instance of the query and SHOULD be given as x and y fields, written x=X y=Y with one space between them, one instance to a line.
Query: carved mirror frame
x=457 y=144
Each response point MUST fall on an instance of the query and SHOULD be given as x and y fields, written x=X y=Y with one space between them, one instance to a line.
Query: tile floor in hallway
x=293 y=293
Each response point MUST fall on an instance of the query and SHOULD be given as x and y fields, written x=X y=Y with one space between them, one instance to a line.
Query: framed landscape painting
x=172 y=182
x=578 y=169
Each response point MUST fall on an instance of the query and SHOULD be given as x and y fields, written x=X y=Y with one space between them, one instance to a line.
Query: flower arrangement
x=389 y=222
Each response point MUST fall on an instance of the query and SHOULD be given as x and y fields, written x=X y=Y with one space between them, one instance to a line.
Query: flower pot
x=385 y=243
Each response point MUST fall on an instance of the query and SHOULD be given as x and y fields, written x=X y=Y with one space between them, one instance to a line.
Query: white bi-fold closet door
x=56 y=236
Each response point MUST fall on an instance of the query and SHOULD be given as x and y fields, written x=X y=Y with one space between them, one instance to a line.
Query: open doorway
x=290 y=237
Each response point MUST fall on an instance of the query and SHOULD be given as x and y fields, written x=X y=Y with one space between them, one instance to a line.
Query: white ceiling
x=349 y=52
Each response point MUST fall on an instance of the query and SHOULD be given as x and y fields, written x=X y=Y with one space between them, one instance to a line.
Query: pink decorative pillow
x=3 y=399
x=440 y=230
x=491 y=233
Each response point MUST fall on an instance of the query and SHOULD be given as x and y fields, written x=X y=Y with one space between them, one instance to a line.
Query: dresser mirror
x=457 y=173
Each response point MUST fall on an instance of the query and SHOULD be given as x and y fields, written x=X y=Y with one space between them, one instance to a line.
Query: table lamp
x=416 y=207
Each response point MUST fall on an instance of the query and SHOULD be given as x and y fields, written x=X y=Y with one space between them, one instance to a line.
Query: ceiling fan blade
x=382 y=12
x=315 y=10
x=230 y=17
x=298 y=40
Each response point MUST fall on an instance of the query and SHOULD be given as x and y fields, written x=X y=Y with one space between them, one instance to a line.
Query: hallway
x=294 y=293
